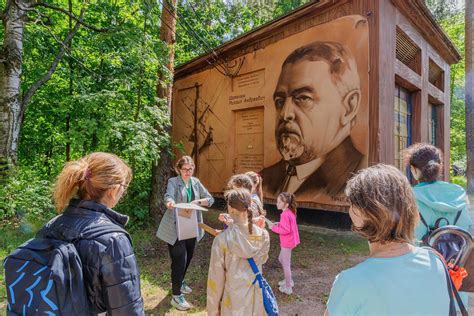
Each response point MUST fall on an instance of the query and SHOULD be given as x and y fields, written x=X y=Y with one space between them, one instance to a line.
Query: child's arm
x=283 y=227
x=216 y=278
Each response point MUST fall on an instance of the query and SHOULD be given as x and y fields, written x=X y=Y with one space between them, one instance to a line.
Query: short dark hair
x=426 y=158
x=339 y=58
x=385 y=199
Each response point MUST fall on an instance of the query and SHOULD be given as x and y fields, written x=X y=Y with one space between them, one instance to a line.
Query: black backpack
x=430 y=230
x=44 y=276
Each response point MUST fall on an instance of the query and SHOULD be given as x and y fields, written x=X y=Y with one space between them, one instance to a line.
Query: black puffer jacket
x=110 y=269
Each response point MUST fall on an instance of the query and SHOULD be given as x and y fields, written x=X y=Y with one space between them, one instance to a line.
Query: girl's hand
x=225 y=218
x=170 y=204
x=260 y=221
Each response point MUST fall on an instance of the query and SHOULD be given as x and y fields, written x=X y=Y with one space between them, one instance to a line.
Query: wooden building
x=315 y=95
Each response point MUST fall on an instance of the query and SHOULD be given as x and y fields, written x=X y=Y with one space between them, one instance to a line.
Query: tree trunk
x=10 y=78
x=161 y=168
x=469 y=94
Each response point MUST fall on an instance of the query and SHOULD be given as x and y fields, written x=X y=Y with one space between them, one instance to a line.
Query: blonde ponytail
x=89 y=178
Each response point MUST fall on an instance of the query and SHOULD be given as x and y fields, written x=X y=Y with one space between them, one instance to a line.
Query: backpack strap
x=106 y=228
x=256 y=271
x=253 y=265
x=438 y=222
x=423 y=221
x=451 y=288
x=457 y=217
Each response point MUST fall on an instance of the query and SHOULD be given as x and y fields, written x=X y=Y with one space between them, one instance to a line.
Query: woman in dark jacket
x=110 y=269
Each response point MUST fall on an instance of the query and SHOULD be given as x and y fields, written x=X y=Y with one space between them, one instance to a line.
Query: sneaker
x=180 y=303
x=185 y=289
x=283 y=282
x=286 y=290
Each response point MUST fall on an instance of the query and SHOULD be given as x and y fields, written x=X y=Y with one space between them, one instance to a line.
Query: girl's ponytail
x=68 y=182
x=241 y=200
x=250 y=219
x=257 y=181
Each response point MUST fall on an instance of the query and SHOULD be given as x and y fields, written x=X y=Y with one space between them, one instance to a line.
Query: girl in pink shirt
x=289 y=237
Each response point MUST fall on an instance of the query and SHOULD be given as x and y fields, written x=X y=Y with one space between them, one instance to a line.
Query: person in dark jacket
x=97 y=182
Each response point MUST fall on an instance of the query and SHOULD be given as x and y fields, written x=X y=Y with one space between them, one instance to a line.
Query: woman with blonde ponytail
x=231 y=289
x=85 y=193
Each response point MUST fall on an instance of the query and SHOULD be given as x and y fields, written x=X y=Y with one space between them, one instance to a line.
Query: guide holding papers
x=179 y=226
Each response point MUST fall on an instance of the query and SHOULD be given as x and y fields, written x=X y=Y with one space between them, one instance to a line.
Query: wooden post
x=469 y=94
x=161 y=168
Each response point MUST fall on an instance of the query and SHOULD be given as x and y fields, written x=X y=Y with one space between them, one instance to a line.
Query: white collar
x=305 y=170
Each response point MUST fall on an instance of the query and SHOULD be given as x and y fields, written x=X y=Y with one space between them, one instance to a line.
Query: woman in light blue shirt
x=397 y=278
x=435 y=199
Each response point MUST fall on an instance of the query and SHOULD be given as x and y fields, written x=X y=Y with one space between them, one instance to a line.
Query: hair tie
x=432 y=162
x=87 y=174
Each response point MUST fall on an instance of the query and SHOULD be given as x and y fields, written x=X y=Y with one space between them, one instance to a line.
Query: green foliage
x=206 y=24
x=459 y=180
x=102 y=96
x=453 y=25
x=26 y=195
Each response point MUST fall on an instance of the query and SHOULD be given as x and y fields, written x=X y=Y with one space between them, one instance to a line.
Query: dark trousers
x=181 y=254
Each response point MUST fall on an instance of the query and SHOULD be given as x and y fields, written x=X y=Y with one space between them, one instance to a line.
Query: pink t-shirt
x=287 y=229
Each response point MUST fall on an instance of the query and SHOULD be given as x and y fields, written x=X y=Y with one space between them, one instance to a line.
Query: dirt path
x=321 y=255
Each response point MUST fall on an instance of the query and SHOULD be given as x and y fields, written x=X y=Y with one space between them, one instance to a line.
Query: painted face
x=309 y=112
x=281 y=205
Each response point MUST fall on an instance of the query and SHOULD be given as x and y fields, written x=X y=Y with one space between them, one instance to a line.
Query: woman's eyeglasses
x=187 y=170
x=125 y=187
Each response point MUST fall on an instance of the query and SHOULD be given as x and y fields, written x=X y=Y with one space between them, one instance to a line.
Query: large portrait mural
x=295 y=110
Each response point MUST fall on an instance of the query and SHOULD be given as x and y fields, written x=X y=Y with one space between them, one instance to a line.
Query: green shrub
x=459 y=180
x=26 y=195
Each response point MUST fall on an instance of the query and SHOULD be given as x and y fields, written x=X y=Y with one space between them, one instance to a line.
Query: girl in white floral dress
x=230 y=286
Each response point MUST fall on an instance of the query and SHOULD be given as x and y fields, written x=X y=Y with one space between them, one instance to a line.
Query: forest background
x=102 y=95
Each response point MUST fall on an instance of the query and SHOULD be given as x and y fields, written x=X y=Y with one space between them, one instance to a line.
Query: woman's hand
x=197 y=202
x=170 y=204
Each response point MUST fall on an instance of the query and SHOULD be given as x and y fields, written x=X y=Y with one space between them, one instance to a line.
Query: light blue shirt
x=411 y=284
x=441 y=199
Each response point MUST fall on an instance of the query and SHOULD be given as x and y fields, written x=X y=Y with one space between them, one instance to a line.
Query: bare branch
x=62 y=50
x=72 y=16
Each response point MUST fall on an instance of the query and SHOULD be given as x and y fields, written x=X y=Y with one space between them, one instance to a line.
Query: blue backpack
x=44 y=276
x=269 y=300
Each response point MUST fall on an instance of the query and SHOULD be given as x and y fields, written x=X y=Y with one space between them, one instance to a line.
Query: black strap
x=457 y=217
x=105 y=228
x=438 y=222
x=452 y=291
x=423 y=221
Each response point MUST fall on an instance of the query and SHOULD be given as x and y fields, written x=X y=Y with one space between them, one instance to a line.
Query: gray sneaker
x=283 y=282
x=180 y=303
x=185 y=289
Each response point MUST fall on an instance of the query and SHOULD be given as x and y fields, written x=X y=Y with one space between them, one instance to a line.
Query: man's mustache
x=288 y=128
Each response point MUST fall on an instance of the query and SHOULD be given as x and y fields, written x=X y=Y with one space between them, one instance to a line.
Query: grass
x=319 y=248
